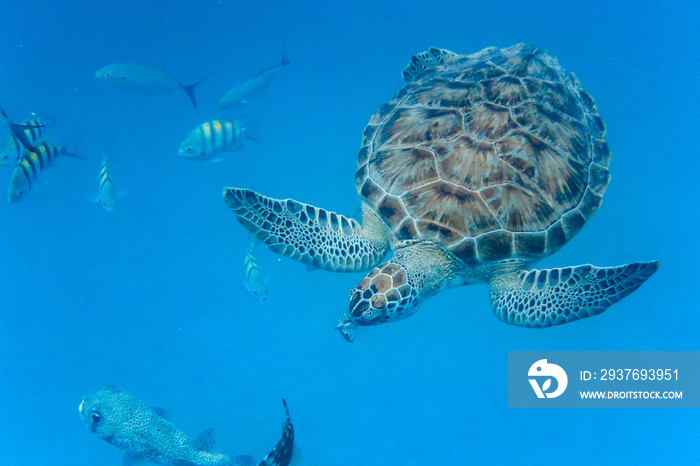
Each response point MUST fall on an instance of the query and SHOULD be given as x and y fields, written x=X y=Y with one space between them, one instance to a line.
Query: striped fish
x=29 y=167
x=18 y=130
x=214 y=137
x=107 y=196
x=33 y=130
x=254 y=281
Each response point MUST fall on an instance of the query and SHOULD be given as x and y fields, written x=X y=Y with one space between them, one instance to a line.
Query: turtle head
x=384 y=295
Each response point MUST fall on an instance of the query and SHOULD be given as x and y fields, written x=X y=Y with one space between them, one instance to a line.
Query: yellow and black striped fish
x=215 y=137
x=17 y=130
x=254 y=281
x=29 y=167
x=33 y=131
x=107 y=192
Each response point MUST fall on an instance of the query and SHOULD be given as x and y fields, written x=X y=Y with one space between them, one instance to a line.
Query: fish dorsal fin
x=424 y=61
x=162 y=413
x=206 y=440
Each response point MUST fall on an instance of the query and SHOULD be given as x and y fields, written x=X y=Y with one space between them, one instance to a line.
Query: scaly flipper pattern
x=306 y=233
x=424 y=61
x=542 y=298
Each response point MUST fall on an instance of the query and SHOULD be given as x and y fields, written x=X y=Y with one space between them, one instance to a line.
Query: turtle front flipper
x=542 y=298
x=309 y=234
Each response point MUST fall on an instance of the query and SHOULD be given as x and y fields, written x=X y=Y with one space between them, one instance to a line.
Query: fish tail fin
x=284 y=61
x=18 y=130
x=110 y=145
x=74 y=154
x=189 y=90
x=70 y=148
x=251 y=243
x=251 y=131
x=4 y=116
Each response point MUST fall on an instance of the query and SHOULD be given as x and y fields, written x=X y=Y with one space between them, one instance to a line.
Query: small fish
x=144 y=433
x=238 y=94
x=22 y=132
x=30 y=165
x=107 y=196
x=254 y=281
x=144 y=78
x=12 y=149
x=214 y=137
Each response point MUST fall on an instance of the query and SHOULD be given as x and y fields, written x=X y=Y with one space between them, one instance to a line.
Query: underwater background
x=151 y=296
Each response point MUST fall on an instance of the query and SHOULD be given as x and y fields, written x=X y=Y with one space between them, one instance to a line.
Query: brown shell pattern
x=499 y=154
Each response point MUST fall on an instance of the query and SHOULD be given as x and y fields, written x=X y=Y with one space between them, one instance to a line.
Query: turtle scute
x=496 y=155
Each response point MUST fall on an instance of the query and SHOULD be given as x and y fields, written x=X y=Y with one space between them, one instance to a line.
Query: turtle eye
x=96 y=417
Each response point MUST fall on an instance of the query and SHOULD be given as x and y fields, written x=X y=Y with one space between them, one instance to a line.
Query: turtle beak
x=347 y=329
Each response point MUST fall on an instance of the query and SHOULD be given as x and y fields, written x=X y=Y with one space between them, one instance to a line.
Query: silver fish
x=254 y=281
x=214 y=137
x=12 y=149
x=30 y=165
x=144 y=78
x=107 y=196
x=145 y=434
x=238 y=94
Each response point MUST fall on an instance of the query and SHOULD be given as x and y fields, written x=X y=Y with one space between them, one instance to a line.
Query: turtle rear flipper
x=424 y=61
x=306 y=233
x=542 y=298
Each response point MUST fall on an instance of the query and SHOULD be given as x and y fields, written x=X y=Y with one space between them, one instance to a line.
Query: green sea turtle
x=478 y=168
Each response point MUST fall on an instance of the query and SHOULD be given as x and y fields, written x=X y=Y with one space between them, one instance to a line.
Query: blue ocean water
x=151 y=297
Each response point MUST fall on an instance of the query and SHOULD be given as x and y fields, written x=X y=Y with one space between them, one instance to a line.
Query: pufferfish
x=145 y=433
